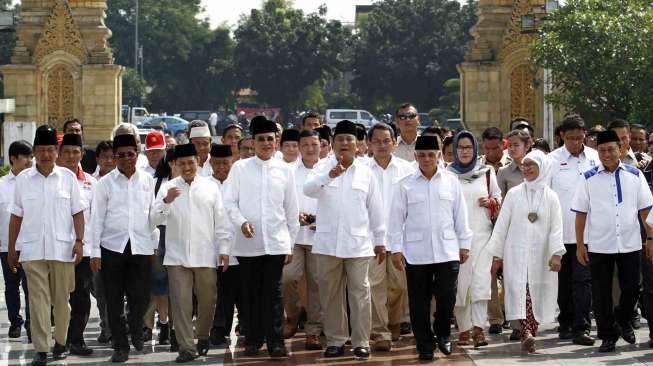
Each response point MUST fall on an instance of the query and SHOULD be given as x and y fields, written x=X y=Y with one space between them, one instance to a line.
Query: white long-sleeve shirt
x=197 y=227
x=233 y=261
x=428 y=218
x=47 y=206
x=387 y=178
x=86 y=186
x=7 y=186
x=308 y=205
x=262 y=193
x=349 y=209
x=120 y=213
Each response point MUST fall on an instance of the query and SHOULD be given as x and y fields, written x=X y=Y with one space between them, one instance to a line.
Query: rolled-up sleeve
x=16 y=206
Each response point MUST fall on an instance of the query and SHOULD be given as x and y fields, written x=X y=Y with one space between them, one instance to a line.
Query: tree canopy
x=601 y=57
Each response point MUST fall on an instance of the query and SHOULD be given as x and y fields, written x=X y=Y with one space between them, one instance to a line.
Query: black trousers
x=229 y=289
x=80 y=302
x=607 y=318
x=574 y=293
x=13 y=281
x=424 y=282
x=262 y=299
x=131 y=275
x=647 y=292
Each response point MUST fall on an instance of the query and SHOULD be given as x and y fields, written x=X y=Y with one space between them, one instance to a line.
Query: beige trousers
x=389 y=294
x=184 y=282
x=50 y=284
x=304 y=264
x=495 y=306
x=335 y=276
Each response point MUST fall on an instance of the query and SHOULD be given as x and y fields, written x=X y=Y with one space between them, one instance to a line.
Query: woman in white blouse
x=527 y=238
x=482 y=196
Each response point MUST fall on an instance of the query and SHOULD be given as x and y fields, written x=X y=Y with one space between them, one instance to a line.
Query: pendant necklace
x=532 y=214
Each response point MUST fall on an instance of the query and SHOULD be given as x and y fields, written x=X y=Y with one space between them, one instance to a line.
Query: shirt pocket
x=359 y=231
x=64 y=230
x=414 y=237
x=416 y=202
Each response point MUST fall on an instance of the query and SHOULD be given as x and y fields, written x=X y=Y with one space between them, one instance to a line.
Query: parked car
x=333 y=116
x=192 y=115
x=169 y=124
x=134 y=115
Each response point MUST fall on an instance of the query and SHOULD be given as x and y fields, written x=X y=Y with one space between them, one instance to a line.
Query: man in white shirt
x=570 y=162
x=71 y=151
x=290 y=145
x=350 y=230
x=200 y=136
x=198 y=238
x=20 y=158
x=261 y=200
x=388 y=285
x=155 y=151
x=407 y=120
x=229 y=286
x=48 y=223
x=304 y=264
x=612 y=194
x=124 y=242
x=430 y=237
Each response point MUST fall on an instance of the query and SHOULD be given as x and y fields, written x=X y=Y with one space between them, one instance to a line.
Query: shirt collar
x=568 y=154
x=419 y=175
x=392 y=163
x=260 y=161
x=401 y=141
x=34 y=171
x=601 y=167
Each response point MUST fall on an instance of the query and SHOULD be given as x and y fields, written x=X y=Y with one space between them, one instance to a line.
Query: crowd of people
x=357 y=236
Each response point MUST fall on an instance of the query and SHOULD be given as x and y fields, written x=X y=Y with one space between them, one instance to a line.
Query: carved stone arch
x=60 y=34
x=60 y=95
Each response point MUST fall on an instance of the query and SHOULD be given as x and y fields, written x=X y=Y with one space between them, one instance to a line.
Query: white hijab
x=544 y=163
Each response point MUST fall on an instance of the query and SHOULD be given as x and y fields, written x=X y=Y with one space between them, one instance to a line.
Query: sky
x=219 y=11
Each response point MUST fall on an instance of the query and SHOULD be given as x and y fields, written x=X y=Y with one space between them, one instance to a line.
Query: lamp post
x=136 y=35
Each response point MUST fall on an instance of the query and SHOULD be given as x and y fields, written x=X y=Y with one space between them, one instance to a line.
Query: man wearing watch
x=45 y=212
x=71 y=152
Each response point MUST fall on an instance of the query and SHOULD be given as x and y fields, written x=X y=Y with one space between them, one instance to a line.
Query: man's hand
x=484 y=202
x=12 y=260
x=288 y=260
x=96 y=264
x=303 y=219
x=223 y=260
x=173 y=193
x=581 y=255
x=464 y=255
x=398 y=261
x=78 y=251
x=337 y=171
x=497 y=263
x=248 y=230
x=554 y=263
x=379 y=252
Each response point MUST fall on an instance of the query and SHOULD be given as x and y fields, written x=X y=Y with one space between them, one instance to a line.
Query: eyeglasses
x=128 y=155
x=265 y=138
x=409 y=116
x=465 y=148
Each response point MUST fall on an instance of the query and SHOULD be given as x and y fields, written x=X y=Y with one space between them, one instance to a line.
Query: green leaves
x=601 y=56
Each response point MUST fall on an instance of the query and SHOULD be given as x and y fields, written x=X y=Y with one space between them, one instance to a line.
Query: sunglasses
x=264 y=138
x=128 y=155
x=404 y=117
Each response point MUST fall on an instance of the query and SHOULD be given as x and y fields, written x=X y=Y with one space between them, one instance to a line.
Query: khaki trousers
x=184 y=282
x=495 y=306
x=304 y=264
x=335 y=276
x=50 y=284
x=389 y=297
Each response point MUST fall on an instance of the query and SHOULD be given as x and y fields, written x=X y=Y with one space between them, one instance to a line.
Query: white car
x=333 y=116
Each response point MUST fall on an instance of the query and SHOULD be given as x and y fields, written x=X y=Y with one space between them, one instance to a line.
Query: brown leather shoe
x=463 y=338
x=395 y=330
x=382 y=346
x=313 y=343
x=289 y=329
x=479 y=337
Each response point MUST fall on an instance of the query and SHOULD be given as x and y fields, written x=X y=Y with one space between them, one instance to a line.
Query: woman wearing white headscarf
x=527 y=237
x=482 y=196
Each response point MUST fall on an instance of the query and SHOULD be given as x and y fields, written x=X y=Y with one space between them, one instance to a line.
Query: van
x=333 y=116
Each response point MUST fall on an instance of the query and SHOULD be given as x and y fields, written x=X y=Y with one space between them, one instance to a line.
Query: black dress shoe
x=515 y=335
x=607 y=345
x=202 y=347
x=14 y=331
x=628 y=334
x=217 y=337
x=444 y=345
x=103 y=337
x=59 y=351
x=565 y=333
x=405 y=328
x=495 y=329
x=278 y=351
x=80 y=349
x=251 y=350
x=185 y=356
x=40 y=359
x=138 y=344
x=426 y=356
x=583 y=339
x=333 y=351
x=362 y=353
x=120 y=356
